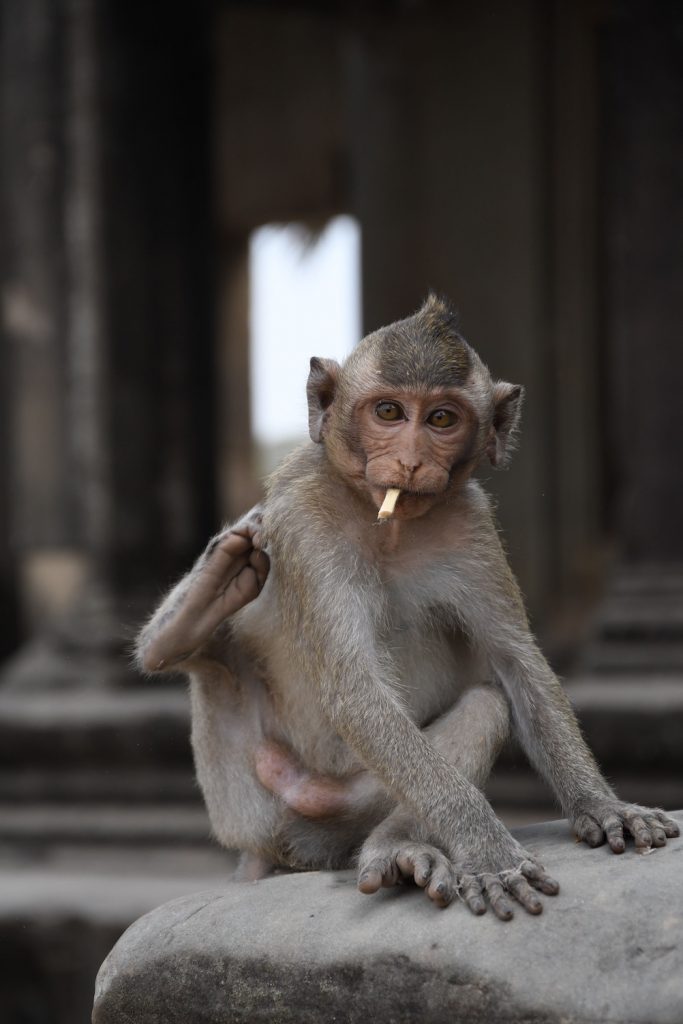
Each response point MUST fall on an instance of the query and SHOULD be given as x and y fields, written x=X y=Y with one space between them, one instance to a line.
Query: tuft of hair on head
x=426 y=350
x=440 y=315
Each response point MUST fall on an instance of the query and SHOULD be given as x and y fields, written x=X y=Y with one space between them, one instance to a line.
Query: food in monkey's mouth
x=389 y=503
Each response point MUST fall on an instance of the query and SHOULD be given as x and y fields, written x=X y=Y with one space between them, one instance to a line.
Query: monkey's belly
x=432 y=670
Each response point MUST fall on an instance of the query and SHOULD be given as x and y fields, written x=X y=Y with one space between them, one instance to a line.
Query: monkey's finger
x=640 y=832
x=588 y=830
x=203 y=606
x=656 y=830
x=442 y=886
x=370 y=880
x=614 y=830
x=671 y=827
x=524 y=894
x=222 y=568
x=471 y=893
x=242 y=589
x=377 y=873
x=260 y=563
x=655 y=827
x=496 y=894
x=549 y=887
x=441 y=893
x=539 y=878
x=233 y=544
x=249 y=528
x=415 y=865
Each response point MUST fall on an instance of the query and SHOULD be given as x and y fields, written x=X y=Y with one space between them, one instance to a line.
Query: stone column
x=643 y=89
x=33 y=512
x=641 y=626
x=125 y=414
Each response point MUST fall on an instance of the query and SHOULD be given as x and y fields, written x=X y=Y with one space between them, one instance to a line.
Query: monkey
x=352 y=681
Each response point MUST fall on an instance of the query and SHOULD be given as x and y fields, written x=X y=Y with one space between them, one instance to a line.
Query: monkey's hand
x=397 y=849
x=500 y=869
x=607 y=819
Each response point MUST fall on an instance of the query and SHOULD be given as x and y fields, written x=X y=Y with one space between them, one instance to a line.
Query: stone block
x=309 y=948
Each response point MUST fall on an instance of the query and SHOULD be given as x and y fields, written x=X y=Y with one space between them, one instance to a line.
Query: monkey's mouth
x=407 y=492
x=409 y=500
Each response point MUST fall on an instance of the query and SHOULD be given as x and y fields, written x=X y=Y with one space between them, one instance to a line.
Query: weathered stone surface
x=308 y=948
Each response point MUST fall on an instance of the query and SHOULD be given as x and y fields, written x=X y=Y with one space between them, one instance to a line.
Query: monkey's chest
x=431 y=664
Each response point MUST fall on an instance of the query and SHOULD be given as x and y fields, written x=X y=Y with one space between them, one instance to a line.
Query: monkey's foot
x=607 y=819
x=388 y=862
x=229 y=575
x=251 y=867
x=311 y=796
x=235 y=567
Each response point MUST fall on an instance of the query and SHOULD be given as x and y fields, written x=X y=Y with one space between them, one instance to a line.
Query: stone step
x=639 y=625
x=134 y=745
x=107 y=784
x=46 y=823
x=71 y=727
x=632 y=722
x=519 y=795
x=623 y=657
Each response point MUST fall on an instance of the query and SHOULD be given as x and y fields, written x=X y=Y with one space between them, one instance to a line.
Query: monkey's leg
x=252 y=866
x=231 y=710
x=229 y=574
x=470 y=736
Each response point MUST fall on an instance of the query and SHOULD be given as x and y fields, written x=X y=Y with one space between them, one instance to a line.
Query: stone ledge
x=307 y=948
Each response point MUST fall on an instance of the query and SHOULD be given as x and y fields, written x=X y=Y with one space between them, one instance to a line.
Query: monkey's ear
x=320 y=391
x=507 y=402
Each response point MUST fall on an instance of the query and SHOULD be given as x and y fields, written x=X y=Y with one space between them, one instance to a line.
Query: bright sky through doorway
x=304 y=301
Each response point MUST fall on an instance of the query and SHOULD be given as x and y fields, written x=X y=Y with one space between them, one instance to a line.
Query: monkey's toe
x=389 y=863
x=382 y=872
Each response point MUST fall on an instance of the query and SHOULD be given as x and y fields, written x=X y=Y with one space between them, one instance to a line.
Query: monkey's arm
x=543 y=717
x=550 y=734
x=339 y=611
x=229 y=574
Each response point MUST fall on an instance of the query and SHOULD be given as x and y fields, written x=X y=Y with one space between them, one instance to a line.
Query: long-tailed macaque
x=352 y=681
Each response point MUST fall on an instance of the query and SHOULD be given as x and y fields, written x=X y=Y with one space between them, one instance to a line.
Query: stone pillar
x=641 y=624
x=120 y=422
x=643 y=89
x=33 y=513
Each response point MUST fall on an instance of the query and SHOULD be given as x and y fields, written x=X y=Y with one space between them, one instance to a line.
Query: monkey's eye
x=442 y=418
x=389 y=411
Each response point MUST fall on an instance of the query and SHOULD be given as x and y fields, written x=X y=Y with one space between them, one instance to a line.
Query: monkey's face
x=417 y=442
x=413 y=408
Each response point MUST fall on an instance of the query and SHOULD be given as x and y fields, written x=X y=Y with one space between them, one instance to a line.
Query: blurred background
x=194 y=199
